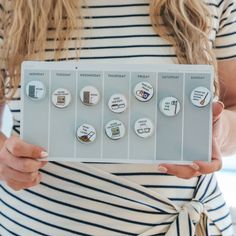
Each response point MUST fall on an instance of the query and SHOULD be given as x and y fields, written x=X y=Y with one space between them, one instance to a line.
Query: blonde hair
x=184 y=23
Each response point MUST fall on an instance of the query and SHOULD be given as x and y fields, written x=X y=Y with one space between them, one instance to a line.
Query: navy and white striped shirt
x=119 y=199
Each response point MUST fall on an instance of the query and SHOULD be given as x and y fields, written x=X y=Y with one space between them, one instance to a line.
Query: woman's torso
x=73 y=197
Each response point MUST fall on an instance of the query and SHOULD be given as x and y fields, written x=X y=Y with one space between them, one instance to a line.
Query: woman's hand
x=200 y=167
x=19 y=164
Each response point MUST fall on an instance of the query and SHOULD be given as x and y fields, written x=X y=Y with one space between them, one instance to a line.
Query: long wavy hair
x=186 y=24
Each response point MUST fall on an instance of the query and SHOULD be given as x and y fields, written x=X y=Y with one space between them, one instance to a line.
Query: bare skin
x=20 y=161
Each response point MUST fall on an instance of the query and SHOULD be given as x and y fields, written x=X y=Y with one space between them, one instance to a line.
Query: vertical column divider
x=155 y=122
x=76 y=110
x=182 y=140
x=129 y=125
x=102 y=120
x=49 y=110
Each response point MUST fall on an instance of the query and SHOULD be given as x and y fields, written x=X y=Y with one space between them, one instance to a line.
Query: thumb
x=218 y=108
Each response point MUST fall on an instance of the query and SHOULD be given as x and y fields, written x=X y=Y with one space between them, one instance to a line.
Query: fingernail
x=44 y=154
x=195 y=166
x=162 y=169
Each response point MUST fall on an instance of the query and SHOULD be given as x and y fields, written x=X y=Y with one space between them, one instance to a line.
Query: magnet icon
x=86 y=133
x=89 y=95
x=144 y=127
x=115 y=129
x=35 y=90
x=117 y=103
x=61 y=97
x=143 y=91
x=201 y=96
x=169 y=106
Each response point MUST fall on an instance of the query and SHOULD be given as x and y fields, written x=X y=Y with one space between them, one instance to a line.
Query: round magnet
x=143 y=91
x=86 y=133
x=143 y=127
x=89 y=95
x=201 y=96
x=61 y=97
x=170 y=106
x=117 y=103
x=35 y=90
x=115 y=129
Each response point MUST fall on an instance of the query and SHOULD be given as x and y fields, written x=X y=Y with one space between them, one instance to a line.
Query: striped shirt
x=119 y=199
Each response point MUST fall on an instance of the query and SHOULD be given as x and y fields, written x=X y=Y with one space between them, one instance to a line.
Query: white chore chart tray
x=118 y=113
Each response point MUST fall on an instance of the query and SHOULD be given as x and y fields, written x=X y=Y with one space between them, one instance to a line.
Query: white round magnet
x=61 y=97
x=143 y=91
x=201 y=96
x=115 y=129
x=89 y=95
x=169 y=106
x=86 y=133
x=117 y=103
x=35 y=90
x=143 y=127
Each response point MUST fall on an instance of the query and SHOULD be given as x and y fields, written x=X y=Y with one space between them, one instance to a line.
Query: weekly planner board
x=125 y=113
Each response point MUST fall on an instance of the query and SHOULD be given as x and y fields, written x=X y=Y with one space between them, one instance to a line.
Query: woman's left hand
x=200 y=167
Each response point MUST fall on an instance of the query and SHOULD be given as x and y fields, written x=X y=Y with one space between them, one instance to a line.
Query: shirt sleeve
x=225 y=42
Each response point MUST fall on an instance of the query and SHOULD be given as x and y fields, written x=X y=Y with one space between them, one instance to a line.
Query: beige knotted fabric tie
x=201 y=226
x=194 y=214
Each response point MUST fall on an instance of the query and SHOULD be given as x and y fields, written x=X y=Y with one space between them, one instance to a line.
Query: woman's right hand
x=20 y=163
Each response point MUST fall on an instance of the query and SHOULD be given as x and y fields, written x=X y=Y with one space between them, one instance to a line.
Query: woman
x=116 y=199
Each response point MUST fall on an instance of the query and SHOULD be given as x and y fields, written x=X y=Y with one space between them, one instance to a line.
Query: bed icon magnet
x=117 y=103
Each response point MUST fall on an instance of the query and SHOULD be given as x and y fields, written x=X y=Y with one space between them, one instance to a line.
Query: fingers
x=20 y=164
x=181 y=171
x=19 y=148
x=197 y=168
x=215 y=164
x=11 y=174
x=16 y=185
